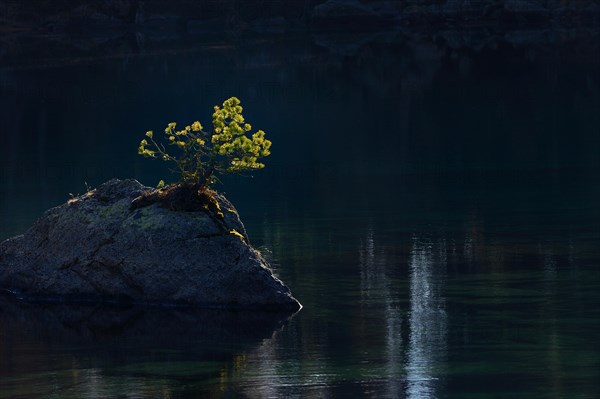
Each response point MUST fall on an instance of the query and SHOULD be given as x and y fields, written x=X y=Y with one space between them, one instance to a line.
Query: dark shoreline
x=185 y=16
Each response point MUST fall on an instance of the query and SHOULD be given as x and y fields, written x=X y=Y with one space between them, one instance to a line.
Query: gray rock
x=94 y=248
x=351 y=14
x=342 y=8
x=527 y=6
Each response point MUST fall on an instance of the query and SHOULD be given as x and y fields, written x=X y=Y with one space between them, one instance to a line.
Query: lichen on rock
x=99 y=248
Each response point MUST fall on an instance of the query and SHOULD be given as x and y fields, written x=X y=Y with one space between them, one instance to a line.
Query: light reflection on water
x=374 y=283
x=427 y=320
x=416 y=329
x=423 y=326
x=436 y=213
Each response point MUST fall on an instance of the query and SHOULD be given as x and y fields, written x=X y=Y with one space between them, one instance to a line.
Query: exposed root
x=180 y=197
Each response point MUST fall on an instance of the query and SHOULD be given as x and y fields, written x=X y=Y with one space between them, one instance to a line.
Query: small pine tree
x=228 y=147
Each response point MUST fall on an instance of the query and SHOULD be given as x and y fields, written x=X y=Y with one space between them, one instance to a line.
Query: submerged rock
x=98 y=248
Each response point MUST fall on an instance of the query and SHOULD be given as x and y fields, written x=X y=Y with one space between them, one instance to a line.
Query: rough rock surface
x=94 y=248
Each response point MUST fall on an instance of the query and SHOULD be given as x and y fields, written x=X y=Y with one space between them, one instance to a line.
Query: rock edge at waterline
x=94 y=248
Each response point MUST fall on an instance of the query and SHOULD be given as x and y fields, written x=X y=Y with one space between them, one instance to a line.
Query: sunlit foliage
x=198 y=155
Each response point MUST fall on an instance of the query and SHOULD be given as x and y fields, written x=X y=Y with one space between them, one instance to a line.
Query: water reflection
x=66 y=351
x=419 y=316
x=266 y=381
x=415 y=338
x=427 y=320
x=377 y=289
x=483 y=144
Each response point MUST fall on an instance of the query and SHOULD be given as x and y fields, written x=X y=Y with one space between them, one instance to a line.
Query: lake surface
x=432 y=199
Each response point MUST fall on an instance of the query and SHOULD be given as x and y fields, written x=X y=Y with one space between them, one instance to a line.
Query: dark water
x=432 y=200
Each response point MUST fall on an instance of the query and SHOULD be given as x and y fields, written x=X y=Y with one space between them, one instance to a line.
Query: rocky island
x=99 y=248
